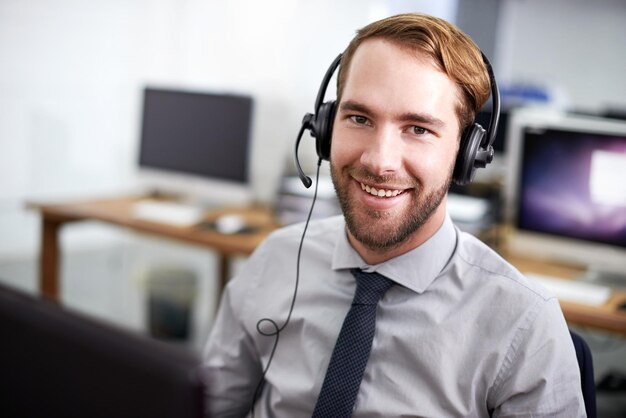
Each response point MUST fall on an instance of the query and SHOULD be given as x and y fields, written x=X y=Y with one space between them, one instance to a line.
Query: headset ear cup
x=324 y=121
x=465 y=168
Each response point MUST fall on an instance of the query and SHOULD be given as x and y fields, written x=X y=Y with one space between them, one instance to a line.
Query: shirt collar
x=416 y=269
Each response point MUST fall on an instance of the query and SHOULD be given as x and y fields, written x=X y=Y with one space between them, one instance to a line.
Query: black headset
x=475 y=149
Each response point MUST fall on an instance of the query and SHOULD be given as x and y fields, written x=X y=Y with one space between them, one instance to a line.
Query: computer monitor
x=196 y=145
x=58 y=363
x=566 y=191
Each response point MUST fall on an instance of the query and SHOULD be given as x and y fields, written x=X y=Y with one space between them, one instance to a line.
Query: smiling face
x=394 y=144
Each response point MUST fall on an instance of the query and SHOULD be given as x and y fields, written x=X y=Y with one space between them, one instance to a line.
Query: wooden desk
x=606 y=317
x=118 y=211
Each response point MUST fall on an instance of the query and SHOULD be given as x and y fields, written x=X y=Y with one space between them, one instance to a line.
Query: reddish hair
x=452 y=51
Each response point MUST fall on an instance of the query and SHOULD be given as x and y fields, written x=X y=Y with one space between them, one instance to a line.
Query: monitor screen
x=57 y=363
x=196 y=133
x=195 y=146
x=572 y=184
x=566 y=193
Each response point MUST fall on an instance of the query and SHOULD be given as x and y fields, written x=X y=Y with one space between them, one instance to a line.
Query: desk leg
x=223 y=275
x=49 y=260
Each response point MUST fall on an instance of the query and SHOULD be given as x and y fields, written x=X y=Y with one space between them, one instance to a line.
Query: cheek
x=342 y=150
x=453 y=153
x=431 y=164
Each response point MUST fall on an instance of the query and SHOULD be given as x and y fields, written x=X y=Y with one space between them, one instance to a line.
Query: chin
x=385 y=229
x=381 y=230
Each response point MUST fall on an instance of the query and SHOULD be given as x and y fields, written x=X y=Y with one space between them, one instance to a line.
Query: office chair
x=585 y=363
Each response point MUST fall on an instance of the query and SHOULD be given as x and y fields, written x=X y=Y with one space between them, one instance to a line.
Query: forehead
x=395 y=77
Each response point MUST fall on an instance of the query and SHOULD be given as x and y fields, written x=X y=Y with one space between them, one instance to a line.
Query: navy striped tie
x=352 y=349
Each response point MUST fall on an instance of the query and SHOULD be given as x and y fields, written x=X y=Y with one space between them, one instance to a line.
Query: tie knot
x=370 y=287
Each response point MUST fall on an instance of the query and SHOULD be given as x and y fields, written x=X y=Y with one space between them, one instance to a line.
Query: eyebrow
x=352 y=106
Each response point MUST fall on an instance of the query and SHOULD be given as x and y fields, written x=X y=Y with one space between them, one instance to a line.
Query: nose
x=383 y=153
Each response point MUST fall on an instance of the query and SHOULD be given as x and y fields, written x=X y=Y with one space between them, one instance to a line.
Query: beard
x=384 y=230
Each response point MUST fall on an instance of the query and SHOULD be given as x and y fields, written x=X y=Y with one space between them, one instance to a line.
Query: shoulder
x=269 y=274
x=522 y=316
x=281 y=247
x=489 y=269
x=518 y=307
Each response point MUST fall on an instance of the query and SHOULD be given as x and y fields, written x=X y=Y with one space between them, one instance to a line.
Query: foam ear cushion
x=465 y=168
x=324 y=129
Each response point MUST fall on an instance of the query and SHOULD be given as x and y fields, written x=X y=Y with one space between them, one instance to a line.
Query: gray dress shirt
x=462 y=334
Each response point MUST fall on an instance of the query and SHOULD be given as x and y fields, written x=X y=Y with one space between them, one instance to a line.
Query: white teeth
x=380 y=192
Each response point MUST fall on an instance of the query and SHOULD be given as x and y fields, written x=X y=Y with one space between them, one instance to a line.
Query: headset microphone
x=319 y=124
x=306 y=124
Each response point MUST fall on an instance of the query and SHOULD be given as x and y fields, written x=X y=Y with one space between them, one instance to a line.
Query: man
x=459 y=332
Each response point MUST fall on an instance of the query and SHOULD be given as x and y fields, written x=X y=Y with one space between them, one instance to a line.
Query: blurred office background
x=72 y=75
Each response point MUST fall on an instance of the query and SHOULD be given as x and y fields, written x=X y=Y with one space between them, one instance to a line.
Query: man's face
x=395 y=139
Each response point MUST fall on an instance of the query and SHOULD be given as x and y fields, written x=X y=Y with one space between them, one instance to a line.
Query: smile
x=380 y=192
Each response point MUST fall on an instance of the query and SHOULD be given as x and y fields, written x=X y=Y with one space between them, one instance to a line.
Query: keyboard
x=574 y=290
x=169 y=213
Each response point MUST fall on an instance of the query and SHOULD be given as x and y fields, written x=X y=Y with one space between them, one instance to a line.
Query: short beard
x=423 y=207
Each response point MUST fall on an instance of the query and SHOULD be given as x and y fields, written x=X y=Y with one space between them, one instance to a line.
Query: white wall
x=72 y=72
x=575 y=46
x=71 y=75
